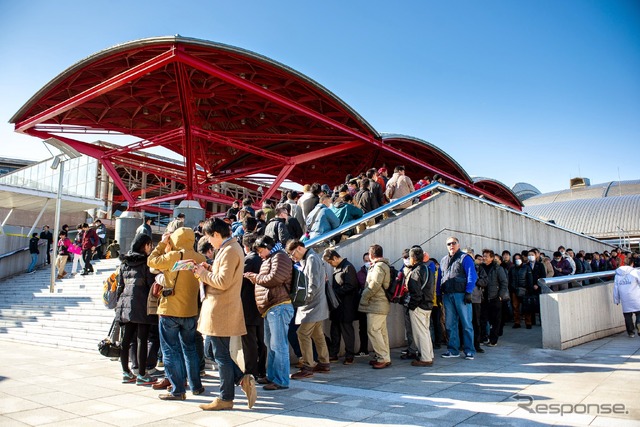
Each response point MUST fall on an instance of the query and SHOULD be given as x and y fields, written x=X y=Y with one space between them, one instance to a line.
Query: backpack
x=109 y=298
x=394 y=290
x=299 y=286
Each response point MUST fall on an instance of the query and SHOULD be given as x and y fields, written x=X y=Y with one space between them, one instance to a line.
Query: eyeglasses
x=451 y=243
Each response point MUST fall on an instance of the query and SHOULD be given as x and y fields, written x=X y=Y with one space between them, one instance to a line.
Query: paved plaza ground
x=58 y=387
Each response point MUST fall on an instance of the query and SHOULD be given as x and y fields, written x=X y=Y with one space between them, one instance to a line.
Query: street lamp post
x=66 y=153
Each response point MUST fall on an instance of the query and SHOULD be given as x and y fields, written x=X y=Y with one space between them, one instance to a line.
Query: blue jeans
x=34 y=260
x=178 y=343
x=228 y=371
x=276 y=328
x=456 y=310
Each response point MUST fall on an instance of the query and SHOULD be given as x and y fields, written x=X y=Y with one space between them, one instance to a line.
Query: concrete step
x=71 y=317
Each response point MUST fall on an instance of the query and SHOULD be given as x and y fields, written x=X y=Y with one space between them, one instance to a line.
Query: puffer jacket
x=521 y=277
x=273 y=283
x=373 y=298
x=184 y=303
x=497 y=282
x=134 y=283
x=420 y=282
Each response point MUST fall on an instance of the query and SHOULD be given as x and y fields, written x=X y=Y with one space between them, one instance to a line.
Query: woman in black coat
x=134 y=284
x=346 y=287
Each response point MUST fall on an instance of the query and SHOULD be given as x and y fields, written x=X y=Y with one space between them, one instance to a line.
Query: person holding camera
x=178 y=311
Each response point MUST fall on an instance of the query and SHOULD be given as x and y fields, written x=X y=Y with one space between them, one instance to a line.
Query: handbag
x=107 y=348
x=332 y=298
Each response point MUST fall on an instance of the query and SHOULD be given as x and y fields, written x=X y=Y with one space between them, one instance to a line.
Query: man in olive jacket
x=222 y=316
x=178 y=311
x=374 y=302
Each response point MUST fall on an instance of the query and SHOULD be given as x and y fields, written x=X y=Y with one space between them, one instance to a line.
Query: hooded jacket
x=184 y=303
x=346 y=211
x=273 y=283
x=626 y=288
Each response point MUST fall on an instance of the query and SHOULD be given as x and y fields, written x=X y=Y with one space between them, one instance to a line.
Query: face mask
x=531 y=258
x=407 y=262
x=518 y=261
x=562 y=252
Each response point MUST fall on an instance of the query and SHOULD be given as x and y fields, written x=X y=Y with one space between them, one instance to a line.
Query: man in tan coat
x=178 y=311
x=221 y=316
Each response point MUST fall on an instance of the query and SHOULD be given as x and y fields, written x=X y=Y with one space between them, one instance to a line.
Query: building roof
x=606 y=189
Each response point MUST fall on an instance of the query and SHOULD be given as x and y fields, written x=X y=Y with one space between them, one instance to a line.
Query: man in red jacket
x=90 y=241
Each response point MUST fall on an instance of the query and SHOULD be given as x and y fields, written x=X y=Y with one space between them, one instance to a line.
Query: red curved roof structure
x=229 y=113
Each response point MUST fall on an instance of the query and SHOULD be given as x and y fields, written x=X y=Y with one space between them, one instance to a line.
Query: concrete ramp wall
x=577 y=316
x=477 y=224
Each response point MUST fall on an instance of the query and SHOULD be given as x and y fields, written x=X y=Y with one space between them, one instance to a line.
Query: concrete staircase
x=72 y=317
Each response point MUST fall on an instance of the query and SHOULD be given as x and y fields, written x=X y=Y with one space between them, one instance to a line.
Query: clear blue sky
x=536 y=91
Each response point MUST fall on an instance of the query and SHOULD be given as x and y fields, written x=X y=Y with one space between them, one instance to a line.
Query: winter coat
x=398 y=187
x=480 y=290
x=221 y=314
x=626 y=288
x=420 y=282
x=252 y=316
x=497 y=282
x=364 y=199
x=561 y=268
x=373 y=298
x=321 y=220
x=296 y=212
x=90 y=239
x=377 y=194
x=294 y=228
x=184 y=302
x=134 y=283
x=307 y=202
x=273 y=283
x=316 y=307
x=346 y=212
x=33 y=245
x=346 y=287
x=277 y=230
x=63 y=247
x=521 y=277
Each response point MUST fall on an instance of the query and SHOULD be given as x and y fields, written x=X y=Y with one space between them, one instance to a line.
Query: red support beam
x=113 y=173
x=99 y=89
x=276 y=183
x=160 y=199
x=184 y=97
x=216 y=71
x=314 y=155
x=141 y=145
x=229 y=142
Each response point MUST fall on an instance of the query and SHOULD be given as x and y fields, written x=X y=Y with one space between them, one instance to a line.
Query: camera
x=167 y=292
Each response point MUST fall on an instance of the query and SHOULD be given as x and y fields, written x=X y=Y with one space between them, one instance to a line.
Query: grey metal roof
x=607 y=189
x=525 y=191
x=601 y=217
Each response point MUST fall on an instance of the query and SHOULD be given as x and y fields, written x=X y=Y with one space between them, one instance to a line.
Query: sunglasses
x=451 y=243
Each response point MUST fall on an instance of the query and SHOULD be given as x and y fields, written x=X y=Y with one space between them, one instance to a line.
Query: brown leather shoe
x=301 y=374
x=217 y=405
x=274 y=386
x=421 y=363
x=263 y=380
x=322 y=368
x=161 y=384
x=348 y=361
x=381 y=365
x=248 y=384
x=373 y=361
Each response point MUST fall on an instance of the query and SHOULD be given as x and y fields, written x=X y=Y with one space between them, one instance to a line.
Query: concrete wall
x=577 y=316
x=19 y=262
x=476 y=224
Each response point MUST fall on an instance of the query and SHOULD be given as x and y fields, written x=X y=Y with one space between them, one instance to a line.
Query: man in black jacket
x=346 y=287
x=420 y=283
x=33 y=250
x=48 y=236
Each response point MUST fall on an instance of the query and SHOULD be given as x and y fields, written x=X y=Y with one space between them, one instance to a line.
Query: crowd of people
x=183 y=300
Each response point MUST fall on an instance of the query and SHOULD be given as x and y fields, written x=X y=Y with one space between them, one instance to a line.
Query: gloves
x=467 y=298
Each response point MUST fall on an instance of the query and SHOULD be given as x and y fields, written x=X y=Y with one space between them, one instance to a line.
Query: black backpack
x=394 y=291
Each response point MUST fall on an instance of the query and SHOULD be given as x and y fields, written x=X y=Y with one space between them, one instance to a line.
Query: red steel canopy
x=229 y=113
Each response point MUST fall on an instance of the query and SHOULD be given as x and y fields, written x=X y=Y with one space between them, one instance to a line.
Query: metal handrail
x=575 y=278
x=371 y=215
x=433 y=186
